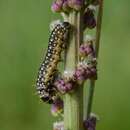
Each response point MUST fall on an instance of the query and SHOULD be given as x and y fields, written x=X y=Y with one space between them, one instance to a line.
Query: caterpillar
x=48 y=69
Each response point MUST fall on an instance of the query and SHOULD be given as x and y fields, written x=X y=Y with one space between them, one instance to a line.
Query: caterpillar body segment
x=48 y=69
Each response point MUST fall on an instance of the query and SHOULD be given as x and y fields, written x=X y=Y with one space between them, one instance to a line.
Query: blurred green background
x=24 y=32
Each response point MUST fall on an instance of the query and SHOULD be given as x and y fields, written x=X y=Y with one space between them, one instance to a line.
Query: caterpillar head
x=60 y=32
x=65 y=25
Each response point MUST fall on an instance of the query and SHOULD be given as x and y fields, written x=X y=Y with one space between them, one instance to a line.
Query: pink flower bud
x=90 y=123
x=65 y=6
x=75 y=4
x=57 y=6
x=69 y=86
x=57 y=107
x=86 y=49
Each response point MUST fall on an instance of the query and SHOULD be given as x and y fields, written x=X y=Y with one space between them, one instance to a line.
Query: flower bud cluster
x=64 y=86
x=86 y=49
x=66 y=5
x=85 y=69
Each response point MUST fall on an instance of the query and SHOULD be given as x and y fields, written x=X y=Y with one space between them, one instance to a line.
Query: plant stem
x=90 y=97
x=98 y=29
x=73 y=102
x=97 y=43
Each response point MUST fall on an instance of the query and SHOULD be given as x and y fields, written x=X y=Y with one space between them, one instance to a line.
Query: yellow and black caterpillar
x=48 y=69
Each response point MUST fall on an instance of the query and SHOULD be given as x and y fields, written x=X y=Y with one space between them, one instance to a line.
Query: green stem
x=98 y=30
x=73 y=102
x=98 y=33
x=90 y=97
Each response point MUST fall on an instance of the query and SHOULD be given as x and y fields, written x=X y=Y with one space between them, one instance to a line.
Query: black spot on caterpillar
x=48 y=69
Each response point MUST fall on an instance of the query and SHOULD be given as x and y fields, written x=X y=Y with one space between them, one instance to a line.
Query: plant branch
x=98 y=28
x=97 y=43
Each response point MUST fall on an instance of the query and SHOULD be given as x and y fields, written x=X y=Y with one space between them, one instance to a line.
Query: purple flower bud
x=65 y=6
x=80 y=75
x=94 y=73
x=90 y=123
x=84 y=72
x=81 y=78
x=75 y=4
x=60 y=85
x=57 y=107
x=89 y=49
x=69 y=86
x=89 y=19
x=62 y=82
x=64 y=86
x=57 y=5
x=86 y=49
x=88 y=73
x=82 y=50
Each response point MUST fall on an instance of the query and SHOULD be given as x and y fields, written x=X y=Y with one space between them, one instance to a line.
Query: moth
x=48 y=69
